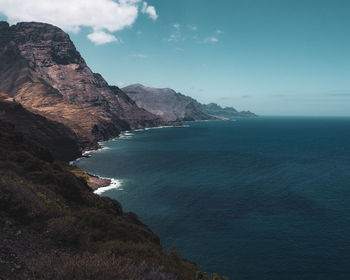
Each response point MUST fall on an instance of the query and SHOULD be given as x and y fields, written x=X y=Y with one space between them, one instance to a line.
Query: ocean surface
x=257 y=199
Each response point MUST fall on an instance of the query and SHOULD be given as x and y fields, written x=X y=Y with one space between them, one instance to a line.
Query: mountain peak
x=38 y=32
x=41 y=68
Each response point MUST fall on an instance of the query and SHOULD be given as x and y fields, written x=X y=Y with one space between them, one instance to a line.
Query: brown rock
x=41 y=69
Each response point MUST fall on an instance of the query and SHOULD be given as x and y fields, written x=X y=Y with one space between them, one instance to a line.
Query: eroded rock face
x=41 y=69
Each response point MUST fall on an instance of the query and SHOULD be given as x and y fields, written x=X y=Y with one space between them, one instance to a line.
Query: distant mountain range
x=173 y=106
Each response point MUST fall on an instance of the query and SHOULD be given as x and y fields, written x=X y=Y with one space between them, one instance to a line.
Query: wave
x=115 y=184
x=88 y=152
x=126 y=135
x=159 y=127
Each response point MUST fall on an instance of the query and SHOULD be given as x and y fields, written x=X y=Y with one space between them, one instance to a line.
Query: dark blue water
x=262 y=199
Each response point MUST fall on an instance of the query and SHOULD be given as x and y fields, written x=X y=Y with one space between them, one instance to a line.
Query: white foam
x=87 y=152
x=159 y=127
x=126 y=135
x=115 y=184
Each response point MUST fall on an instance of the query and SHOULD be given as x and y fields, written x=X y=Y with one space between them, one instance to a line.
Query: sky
x=273 y=57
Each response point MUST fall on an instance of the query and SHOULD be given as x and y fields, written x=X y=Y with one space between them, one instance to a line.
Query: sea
x=264 y=198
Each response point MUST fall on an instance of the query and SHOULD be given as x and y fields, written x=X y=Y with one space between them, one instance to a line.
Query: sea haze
x=264 y=198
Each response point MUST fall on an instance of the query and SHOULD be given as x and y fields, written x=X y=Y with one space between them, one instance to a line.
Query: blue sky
x=273 y=57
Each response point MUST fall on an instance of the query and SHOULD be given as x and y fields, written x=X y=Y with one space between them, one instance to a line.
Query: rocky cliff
x=166 y=103
x=172 y=105
x=42 y=70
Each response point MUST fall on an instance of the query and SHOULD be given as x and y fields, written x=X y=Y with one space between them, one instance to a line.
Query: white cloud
x=219 y=31
x=101 y=37
x=103 y=16
x=139 y=55
x=192 y=27
x=211 y=40
x=120 y=84
x=149 y=10
x=176 y=35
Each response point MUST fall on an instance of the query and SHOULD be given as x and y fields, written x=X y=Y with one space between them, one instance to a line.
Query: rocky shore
x=93 y=181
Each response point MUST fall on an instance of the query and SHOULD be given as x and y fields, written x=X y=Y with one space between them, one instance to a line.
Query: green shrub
x=19 y=201
x=99 y=226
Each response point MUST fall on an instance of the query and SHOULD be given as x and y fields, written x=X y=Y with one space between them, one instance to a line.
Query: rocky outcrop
x=42 y=70
x=172 y=105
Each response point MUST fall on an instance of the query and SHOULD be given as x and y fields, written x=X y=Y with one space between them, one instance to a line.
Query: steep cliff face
x=41 y=69
x=166 y=103
x=171 y=105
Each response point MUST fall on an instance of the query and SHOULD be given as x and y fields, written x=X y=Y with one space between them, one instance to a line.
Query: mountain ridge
x=42 y=70
x=165 y=102
x=172 y=105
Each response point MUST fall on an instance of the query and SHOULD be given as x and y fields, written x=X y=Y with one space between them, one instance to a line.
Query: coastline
x=100 y=184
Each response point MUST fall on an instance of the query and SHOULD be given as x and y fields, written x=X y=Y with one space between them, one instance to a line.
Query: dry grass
x=94 y=267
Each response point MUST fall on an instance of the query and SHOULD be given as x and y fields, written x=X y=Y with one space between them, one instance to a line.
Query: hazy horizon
x=283 y=58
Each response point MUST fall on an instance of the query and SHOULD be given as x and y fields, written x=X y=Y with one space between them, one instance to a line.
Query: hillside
x=171 y=105
x=42 y=70
x=166 y=103
x=62 y=142
x=52 y=226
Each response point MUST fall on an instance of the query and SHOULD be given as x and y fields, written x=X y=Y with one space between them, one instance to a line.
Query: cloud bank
x=102 y=16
